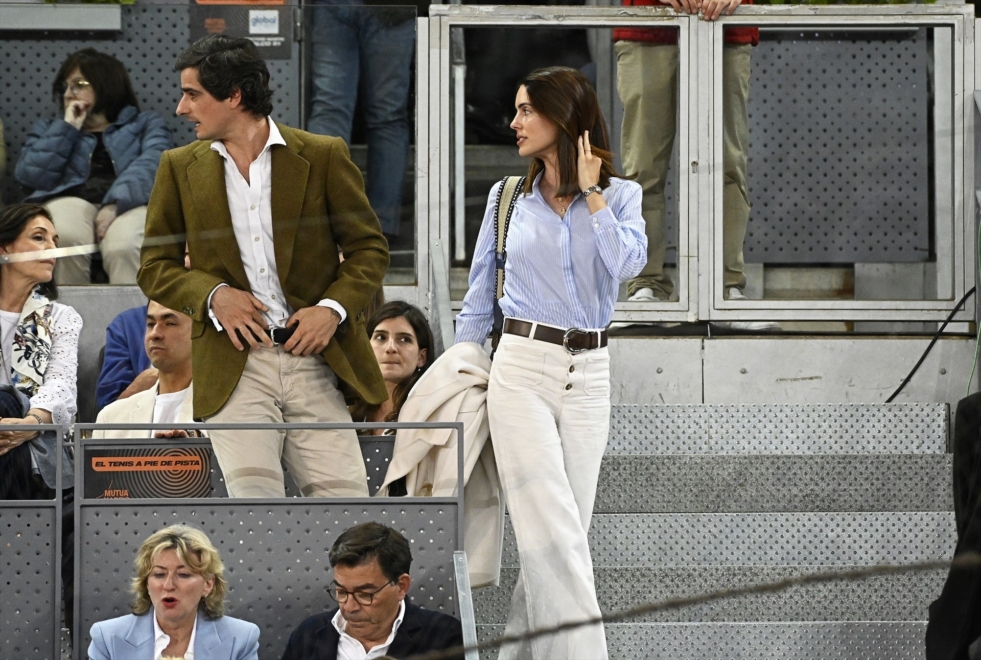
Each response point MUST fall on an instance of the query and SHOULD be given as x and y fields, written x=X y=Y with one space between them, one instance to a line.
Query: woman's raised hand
x=588 y=165
x=76 y=112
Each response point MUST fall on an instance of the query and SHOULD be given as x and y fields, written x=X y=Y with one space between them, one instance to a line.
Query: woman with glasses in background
x=94 y=164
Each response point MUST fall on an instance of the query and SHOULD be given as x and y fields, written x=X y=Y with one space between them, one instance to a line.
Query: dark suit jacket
x=421 y=631
x=318 y=206
x=955 y=617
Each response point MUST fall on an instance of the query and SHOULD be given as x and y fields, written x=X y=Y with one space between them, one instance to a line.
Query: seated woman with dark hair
x=38 y=367
x=180 y=590
x=39 y=356
x=403 y=345
x=93 y=166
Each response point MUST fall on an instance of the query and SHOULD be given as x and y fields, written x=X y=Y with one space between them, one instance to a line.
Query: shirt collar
x=162 y=639
x=340 y=624
x=275 y=137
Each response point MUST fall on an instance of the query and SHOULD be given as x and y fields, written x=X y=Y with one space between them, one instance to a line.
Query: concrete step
x=851 y=640
x=774 y=483
x=720 y=429
x=763 y=539
x=901 y=597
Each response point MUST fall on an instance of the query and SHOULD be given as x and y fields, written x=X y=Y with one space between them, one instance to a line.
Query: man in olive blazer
x=254 y=199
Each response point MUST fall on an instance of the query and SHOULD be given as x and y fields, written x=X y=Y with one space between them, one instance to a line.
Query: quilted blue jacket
x=57 y=156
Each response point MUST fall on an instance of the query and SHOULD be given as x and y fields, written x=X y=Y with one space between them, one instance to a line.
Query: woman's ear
x=423 y=358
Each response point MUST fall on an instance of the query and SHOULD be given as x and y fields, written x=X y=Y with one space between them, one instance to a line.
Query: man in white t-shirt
x=168 y=344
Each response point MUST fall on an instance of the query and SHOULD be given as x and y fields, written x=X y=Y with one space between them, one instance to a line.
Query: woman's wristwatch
x=590 y=190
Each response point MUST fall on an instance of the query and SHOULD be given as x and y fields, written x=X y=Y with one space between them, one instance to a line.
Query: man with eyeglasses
x=373 y=619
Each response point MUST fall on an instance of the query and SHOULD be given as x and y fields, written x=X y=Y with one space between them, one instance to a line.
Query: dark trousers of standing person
x=955 y=617
x=18 y=481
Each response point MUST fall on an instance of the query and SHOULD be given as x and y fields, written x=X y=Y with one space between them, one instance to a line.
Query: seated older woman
x=93 y=165
x=179 y=608
x=38 y=354
x=38 y=366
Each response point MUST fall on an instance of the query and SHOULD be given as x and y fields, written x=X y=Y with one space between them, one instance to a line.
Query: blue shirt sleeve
x=125 y=357
x=474 y=322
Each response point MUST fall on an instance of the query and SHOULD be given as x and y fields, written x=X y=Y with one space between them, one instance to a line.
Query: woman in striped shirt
x=575 y=234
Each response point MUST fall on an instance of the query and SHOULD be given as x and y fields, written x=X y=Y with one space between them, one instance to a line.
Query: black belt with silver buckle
x=574 y=340
x=280 y=335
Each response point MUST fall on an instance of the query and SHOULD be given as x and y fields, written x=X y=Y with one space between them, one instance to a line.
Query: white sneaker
x=735 y=293
x=644 y=294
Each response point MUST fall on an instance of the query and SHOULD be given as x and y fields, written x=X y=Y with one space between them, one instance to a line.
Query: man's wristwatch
x=590 y=190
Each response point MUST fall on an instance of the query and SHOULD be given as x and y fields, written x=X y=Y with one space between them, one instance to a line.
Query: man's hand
x=11 y=439
x=103 y=219
x=685 y=6
x=173 y=433
x=240 y=314
x=712 y=9
x=144 y=381
x=314 y=328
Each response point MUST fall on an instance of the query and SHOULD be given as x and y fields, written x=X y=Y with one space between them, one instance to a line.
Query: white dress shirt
x=167 y=407
x=162 y=639
x=250 y=204
x=349 y=648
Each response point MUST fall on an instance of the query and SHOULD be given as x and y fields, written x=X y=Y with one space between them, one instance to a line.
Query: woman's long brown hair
x=566 y=98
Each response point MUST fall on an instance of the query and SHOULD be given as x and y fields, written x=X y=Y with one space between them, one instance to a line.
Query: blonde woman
x=179 y=607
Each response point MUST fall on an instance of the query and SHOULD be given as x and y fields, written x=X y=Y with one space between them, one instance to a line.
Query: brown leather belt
x=574 y=340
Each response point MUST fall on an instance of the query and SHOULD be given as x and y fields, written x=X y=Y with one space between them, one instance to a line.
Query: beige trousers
x=74 y=218
x=277 y=387
x=647 y=80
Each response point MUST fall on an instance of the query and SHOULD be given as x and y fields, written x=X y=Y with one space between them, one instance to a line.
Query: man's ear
x=403 y=583
x=235 y=98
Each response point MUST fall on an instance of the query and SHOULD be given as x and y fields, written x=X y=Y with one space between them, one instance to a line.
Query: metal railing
x=275 y=549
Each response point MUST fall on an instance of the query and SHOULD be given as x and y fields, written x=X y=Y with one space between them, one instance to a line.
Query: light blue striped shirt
x=563 y=271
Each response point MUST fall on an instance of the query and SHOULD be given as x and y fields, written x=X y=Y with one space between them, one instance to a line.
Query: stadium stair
x=698 y=498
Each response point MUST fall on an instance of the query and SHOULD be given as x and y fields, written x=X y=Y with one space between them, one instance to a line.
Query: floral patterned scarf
x=32 y=345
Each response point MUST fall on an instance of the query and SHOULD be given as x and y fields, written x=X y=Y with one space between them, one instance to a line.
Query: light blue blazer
x=130 y=637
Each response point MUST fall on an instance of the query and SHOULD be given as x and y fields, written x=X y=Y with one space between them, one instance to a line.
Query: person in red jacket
x=647 y=80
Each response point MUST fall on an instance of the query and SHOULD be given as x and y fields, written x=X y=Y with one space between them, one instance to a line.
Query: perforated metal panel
x=719 y=484
x=868 y=641
x=377 y=456
x=275 y=555
x=914 y=428
x=763 y=539
x=873 y=640
x=882 y=598
x=839 y=159
x=28 y=558
x=151 y=39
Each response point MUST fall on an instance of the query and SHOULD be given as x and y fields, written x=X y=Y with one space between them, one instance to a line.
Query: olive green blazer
x=318 y=206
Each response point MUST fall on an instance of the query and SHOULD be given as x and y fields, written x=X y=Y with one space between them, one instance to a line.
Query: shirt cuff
x=602 y=219
x=211 y=315
x=334 y=305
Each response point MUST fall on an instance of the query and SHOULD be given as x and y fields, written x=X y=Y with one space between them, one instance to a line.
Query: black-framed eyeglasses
x=340 y=594
x=76 y=86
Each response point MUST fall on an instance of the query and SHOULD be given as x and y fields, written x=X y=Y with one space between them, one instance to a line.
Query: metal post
x=464 y=598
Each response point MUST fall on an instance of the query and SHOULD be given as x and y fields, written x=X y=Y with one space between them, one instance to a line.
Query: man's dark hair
x=108 y=77
x=362 y=543
x=225 y=64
